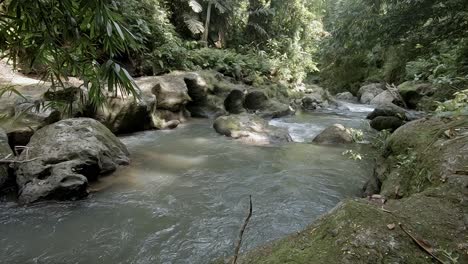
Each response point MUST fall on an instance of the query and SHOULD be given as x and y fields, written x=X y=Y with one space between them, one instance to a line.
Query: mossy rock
x=250 y=129
x=420 y=154
x=357 y=232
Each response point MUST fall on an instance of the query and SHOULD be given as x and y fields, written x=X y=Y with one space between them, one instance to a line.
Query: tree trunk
x=206 y=33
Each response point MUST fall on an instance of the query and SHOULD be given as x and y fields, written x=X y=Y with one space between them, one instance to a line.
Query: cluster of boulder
x=60 y=160
x=62 y=157
x=57 y=157
x=57 y=154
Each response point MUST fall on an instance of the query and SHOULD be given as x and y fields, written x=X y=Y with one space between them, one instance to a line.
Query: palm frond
x=196 y=6
x=194 y=24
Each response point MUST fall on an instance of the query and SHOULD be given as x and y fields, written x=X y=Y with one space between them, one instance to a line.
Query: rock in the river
x=66 y=155
x=385 y=97
x=234 y=102
x=390 y=123
x=206 y=102
x=413 y=92
x=250 y=129
x=336 y=134
x=161 y=105
x=5 y=150
x=388 y=110
x=347 y=97
x=171 y=93
x=258 y=102
x=368 y=92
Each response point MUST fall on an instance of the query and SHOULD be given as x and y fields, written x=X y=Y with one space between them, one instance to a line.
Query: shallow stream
x=185 y=197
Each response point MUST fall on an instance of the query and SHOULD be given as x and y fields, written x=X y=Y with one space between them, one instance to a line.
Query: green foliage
x=69 y=38
x=458 y=105
x=380 y=140
x=357 y=134
x=395 y=41
x=351 y=154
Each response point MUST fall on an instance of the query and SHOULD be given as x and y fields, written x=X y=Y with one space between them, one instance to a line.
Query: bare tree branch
x=246 y=222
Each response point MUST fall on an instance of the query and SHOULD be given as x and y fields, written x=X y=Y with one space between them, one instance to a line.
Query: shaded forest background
x=339 y=44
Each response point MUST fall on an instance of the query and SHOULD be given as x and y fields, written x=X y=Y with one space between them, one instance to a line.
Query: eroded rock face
x=127 y=114
x=206 y=102
x=250 y=129
x=64 y=157
x=234 y=102
x=368 y=92
x=336 y=134
x=4 y=152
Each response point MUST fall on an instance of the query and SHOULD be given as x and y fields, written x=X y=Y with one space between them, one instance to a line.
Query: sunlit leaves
x=69 y=38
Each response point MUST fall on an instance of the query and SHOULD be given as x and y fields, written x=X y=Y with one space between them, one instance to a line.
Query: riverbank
x=203 y=176
x=422 y=199
x=184 y=195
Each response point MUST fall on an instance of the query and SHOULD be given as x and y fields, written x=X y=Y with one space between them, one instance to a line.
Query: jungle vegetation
x=339 y=43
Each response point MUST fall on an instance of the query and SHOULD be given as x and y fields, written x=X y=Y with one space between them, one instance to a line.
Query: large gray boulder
x=158 y=95
x=346 y=97
x=5 y=151
x=63 y=157
x=250 y=129
x=385 y=97
x=171 y=92
x=336 y=134
x=368 y=92
x=127 y=114
x=389 y=110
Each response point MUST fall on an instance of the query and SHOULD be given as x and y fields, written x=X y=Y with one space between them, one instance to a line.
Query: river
x=185 y=197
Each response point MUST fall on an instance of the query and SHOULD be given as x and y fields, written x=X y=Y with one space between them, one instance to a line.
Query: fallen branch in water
x=246 y=222
x=422 y=245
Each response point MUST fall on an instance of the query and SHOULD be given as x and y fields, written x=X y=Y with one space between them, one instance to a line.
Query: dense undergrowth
x=341 y=44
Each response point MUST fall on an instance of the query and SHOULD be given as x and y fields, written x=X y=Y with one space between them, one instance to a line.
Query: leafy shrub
x=458 y=104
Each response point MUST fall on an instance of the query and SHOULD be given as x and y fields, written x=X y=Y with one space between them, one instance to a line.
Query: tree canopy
x=342 y=43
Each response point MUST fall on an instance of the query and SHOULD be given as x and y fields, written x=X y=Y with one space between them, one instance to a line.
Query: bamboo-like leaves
x=69 y=38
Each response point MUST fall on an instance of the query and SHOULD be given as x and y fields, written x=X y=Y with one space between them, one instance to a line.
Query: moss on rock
x=425 y=167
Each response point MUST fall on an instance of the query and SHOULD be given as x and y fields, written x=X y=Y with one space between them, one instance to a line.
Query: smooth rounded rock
x=63 y=157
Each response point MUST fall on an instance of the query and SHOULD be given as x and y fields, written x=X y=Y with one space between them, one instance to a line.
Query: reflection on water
x=185 y=196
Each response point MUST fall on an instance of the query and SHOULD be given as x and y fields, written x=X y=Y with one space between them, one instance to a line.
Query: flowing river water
x=185 y=197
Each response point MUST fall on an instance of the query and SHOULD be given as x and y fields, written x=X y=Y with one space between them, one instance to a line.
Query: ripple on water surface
x=184 y=198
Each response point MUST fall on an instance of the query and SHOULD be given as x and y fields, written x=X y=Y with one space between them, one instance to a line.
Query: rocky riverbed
x=196 y=176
